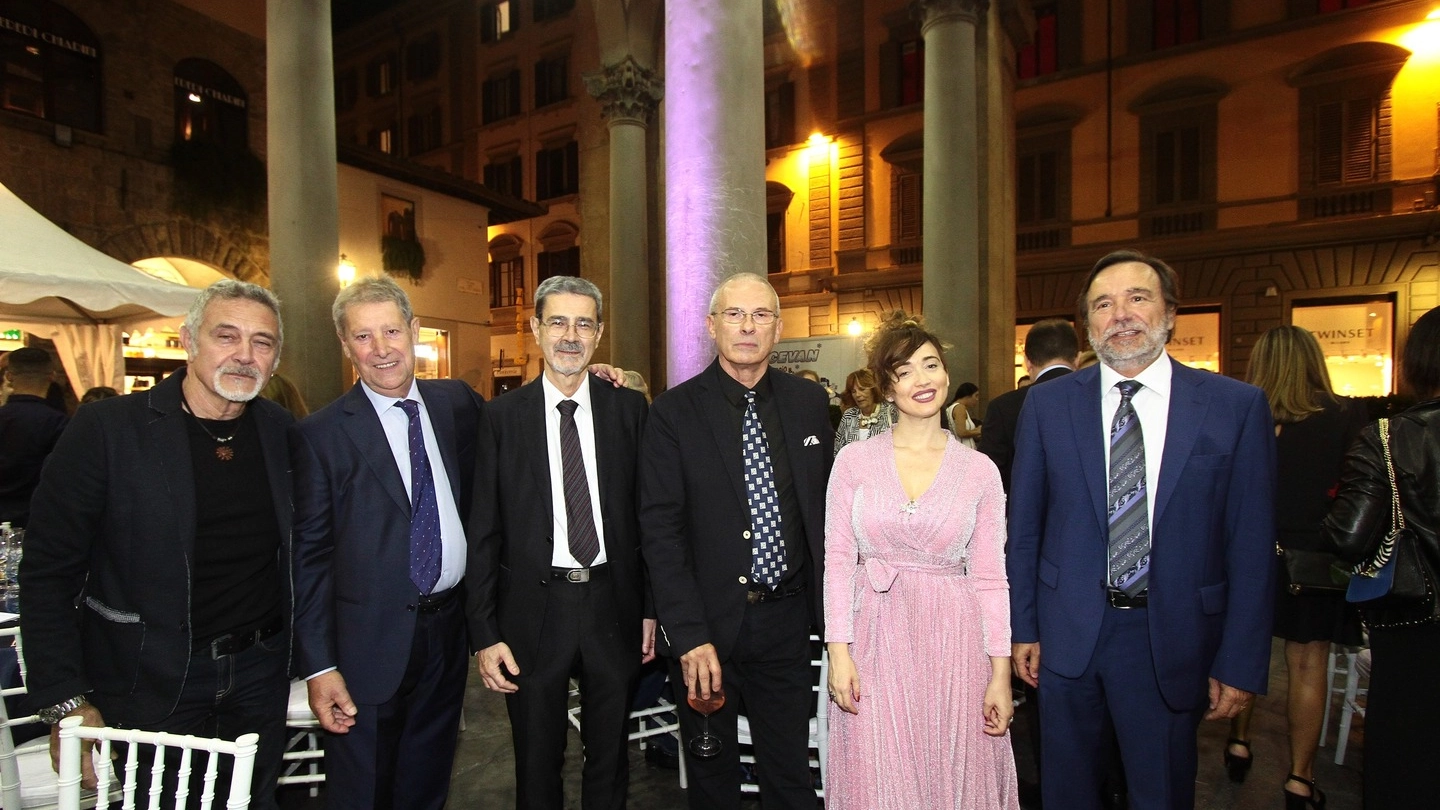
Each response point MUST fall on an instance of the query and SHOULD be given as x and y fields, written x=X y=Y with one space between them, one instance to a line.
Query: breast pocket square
x=809 y=441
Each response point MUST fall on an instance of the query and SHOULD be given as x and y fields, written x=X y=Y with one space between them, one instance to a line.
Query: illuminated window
x=905 y=200
x=380 y=76
x=51 y=64
x=507 y=271
x=432 y=354
x=495 y=21
x=1357 y=337
x=210 y=105
x=1196 y=339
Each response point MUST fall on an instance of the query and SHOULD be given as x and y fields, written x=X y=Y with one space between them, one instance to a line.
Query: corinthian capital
x=628 y=91
x=929 y=12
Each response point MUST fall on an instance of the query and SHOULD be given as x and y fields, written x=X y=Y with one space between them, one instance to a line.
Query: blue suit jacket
x=354 y=601
x=1213 y=542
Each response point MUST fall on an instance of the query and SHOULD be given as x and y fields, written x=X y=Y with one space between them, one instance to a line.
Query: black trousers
x=399 y=753
x=1401 y=715
x=580 y=637
x=768 y=678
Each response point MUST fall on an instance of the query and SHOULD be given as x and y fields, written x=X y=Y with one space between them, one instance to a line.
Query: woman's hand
x=844 y=680
x=999 y=703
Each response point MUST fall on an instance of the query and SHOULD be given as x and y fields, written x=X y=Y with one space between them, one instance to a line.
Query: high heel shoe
x=1294 y=801
x=1236 y=766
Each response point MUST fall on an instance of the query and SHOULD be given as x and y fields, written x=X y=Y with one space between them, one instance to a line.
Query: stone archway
x=238 y=254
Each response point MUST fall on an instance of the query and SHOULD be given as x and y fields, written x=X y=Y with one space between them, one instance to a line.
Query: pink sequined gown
x=919 y=591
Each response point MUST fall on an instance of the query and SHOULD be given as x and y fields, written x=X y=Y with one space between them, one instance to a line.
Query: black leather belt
x=232 y=643
x=1119 y=599
x=435 y=602
x=579 y=574
x=756 y=596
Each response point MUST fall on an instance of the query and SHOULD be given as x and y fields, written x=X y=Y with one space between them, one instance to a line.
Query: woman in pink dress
x=917 y=612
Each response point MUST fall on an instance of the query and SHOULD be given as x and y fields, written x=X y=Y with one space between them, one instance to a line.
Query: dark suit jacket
x=1212 y=565
x=1002 y=416
x=112 y=528
x=354 y=601
x=693 y=510
x=509 y=568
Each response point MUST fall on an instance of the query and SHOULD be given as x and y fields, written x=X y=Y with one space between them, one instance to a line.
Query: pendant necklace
x=223 y=450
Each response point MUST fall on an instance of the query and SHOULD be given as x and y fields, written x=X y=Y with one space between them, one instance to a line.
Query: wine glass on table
x=706 y=745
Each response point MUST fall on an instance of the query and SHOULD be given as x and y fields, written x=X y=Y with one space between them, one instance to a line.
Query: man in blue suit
x=1141 y=547
x=383 y=482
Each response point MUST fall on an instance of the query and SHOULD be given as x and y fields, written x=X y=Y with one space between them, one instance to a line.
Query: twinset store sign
x=7 y=24
x=209 y=92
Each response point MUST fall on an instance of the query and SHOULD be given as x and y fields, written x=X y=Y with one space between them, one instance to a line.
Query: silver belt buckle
x=577 y=575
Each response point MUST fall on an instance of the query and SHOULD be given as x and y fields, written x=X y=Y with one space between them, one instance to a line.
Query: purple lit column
x=304 y=197
x=951 y=201
x=714 y=164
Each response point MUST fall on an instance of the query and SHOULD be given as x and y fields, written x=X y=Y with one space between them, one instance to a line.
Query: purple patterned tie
x=1127 y=508
x=425 y=544
x=579 y=514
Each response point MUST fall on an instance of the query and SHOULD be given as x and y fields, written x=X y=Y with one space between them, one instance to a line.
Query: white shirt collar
x=553 y=397
x=381 y=401
x=1156 y=376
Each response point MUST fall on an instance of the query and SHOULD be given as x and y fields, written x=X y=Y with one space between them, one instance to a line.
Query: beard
x=242 y=393
x=568 y=364
x=1137 y=355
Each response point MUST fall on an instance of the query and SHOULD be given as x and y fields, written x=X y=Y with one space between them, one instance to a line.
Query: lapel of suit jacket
x=602 y=419
x=793 y=422
x=362 y=425
x=167 y=442
x=720 y=416
x=1089 y=436
x=274 y=444
x=442 y=420
x=1188 y=405
x=537 y=444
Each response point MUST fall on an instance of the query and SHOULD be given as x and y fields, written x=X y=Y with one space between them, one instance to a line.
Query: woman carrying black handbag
x=1403 y=708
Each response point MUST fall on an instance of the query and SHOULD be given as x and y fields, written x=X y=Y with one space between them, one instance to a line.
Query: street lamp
x=345 y=271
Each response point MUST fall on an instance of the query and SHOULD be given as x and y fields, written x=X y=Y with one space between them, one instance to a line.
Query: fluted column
x=630 y=94
x=951 y=179
x=714 y=164
x=304 y=200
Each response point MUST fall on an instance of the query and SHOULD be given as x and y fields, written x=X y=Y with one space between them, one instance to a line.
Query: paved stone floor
x=484 y=769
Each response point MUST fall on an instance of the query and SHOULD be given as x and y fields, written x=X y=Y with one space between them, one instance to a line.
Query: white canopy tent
x=55 y=286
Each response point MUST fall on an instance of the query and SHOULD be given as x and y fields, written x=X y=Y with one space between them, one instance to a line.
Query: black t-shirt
x=237 y=537
x=792 y=521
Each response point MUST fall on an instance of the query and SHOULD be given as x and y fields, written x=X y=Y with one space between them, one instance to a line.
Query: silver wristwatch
x=52 y=715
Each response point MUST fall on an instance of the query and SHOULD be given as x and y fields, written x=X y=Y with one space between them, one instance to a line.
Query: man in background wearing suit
x=557 y=586
x=383 y=484
x=732 y=509
x=1141 y=547
x=1050 y=350
x=155 y=589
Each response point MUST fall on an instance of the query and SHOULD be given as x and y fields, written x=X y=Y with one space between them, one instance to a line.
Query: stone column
x=630 y=94
x=714 y=164
x=950 y=200
x=304 y=199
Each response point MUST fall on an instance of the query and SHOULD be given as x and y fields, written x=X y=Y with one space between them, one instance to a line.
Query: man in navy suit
x=383 y=483
x=736 y=598
x=1141 y=547
x=556 y=584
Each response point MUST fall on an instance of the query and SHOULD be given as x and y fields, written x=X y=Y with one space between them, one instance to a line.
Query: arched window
x=561 y=256
x=51 y=64
x=777 y=200
x=507 y=271
x=210 y=105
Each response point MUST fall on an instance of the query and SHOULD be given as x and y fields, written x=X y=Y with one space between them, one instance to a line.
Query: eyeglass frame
x=736 y=316
x=557 y=326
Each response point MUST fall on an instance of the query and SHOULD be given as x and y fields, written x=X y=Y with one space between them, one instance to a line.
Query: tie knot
x=567 y=408
x=410 y=407
x=750 y=397
x=1127 y=389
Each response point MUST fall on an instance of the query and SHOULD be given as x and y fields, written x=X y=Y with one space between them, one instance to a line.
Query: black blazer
x=112 y=529
x=508 y=574
x=354 y=601
x=997 y=440
x=693 y=510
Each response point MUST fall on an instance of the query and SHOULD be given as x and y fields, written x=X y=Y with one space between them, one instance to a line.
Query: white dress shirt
x=1152 y=407
x=397 y=432
x=561 y=557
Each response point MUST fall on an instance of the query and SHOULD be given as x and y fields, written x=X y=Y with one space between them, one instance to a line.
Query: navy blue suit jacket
x=354 y=601
x=1212 y=563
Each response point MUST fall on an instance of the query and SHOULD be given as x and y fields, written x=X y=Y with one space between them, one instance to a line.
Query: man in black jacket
x=1050 y=350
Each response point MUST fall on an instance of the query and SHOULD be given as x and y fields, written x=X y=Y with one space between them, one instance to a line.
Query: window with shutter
x=1042 y=55
x=907 y=205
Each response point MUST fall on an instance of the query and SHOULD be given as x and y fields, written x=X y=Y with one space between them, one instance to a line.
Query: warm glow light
x=1434 y=15
x=195 y=97
x=346 y=271
x=854 y=328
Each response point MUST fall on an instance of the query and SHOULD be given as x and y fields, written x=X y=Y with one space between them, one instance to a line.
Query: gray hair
x=230 y=289
x=573 y=285
x=737 y=278
x=370 y=290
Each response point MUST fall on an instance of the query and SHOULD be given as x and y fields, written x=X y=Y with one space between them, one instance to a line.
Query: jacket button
x=745 y=534
x=409 y=607
x=744 y=580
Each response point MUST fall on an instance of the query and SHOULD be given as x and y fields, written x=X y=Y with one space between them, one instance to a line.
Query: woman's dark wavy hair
x=896 y=338
x=1420 y=360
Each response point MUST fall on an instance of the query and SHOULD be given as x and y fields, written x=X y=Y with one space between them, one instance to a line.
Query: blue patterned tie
x=767 y=555
x=1127 y=508
x=425 y=545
